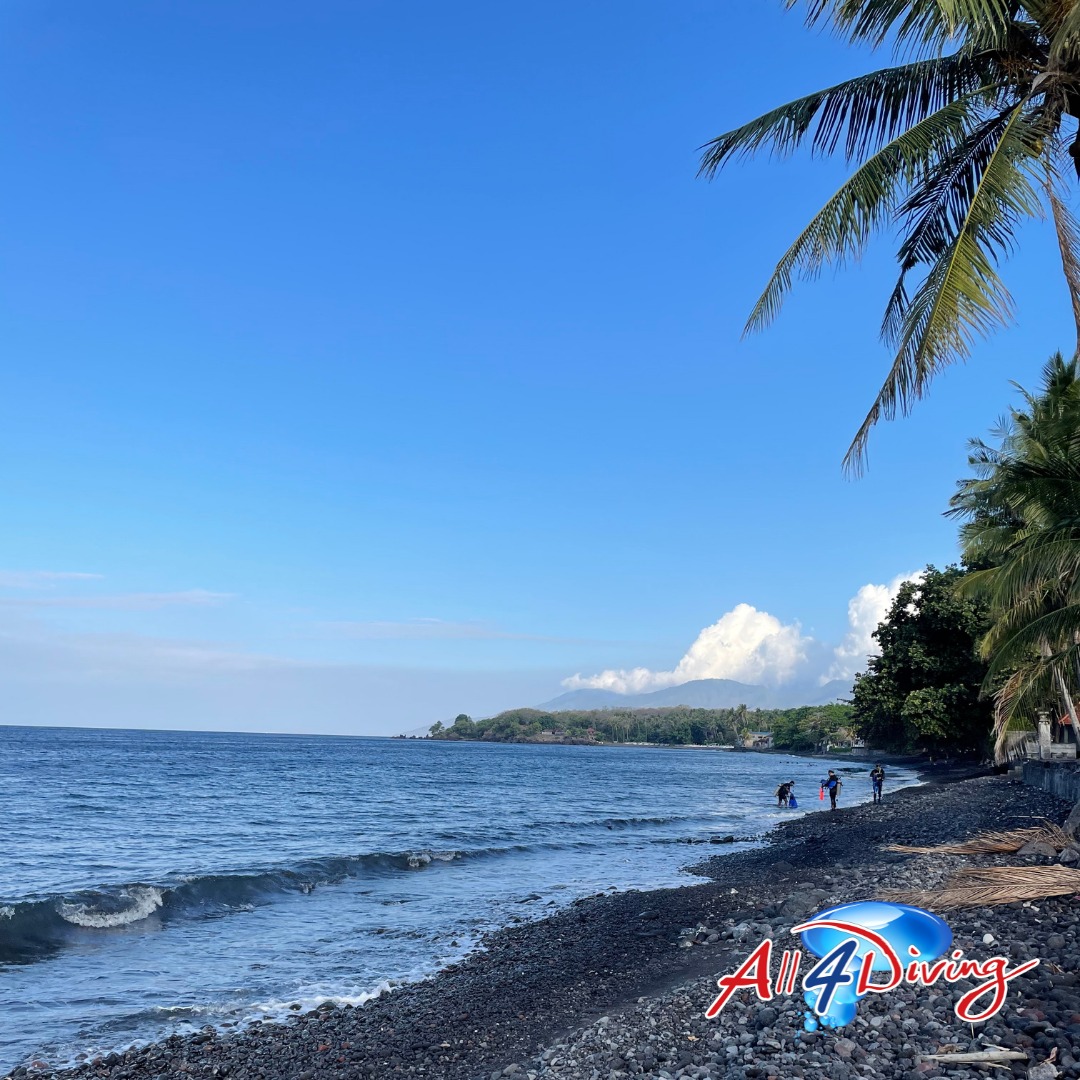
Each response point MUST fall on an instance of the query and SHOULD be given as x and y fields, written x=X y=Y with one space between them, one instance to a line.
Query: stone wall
x=1058 y=777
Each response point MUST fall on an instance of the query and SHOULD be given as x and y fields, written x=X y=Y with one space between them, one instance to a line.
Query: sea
x=155 y=882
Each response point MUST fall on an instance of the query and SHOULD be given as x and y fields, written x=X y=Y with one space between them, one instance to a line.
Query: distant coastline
x=802 y=729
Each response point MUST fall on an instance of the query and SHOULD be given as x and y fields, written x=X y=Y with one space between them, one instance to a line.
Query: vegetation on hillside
x=806 y=728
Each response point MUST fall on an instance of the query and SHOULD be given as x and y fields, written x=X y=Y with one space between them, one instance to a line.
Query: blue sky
x=382 y=360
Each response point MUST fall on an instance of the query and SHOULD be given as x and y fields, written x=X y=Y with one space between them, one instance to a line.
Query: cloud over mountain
x=745 y=645
x=752 y=646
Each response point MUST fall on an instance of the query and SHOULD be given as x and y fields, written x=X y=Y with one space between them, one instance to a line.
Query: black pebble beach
x=617 y=985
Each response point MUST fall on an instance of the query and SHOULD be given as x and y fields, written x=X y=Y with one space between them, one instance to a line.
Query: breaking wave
x=35 y=928
x=127 y=906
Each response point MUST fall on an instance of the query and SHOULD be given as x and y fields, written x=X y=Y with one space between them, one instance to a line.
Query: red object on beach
x=821 y=794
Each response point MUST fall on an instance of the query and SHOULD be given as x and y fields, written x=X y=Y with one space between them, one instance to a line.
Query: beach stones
x=1072 y=822
x=527 y=998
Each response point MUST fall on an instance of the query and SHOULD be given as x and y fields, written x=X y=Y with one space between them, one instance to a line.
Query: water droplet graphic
x=911 y=932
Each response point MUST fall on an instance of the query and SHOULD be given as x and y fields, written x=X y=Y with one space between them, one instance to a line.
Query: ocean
x=157 y=882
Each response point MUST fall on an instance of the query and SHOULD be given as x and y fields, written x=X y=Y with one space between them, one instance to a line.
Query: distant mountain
x=420 y=732
x=704 y=694
x=831 y=692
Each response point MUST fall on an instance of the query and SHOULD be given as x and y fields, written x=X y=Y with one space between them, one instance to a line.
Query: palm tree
x=1022 y=532
x=955 y=147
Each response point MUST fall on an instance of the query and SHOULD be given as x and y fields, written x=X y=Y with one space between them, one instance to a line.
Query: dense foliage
x=924 y=691
x=1021 y=513
x=796 y=729
x=811 y=727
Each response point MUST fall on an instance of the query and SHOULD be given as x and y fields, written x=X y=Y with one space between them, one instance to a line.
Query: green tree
x=1021 y=514
x=436 y=728
x=923 y=691
x=463 y=727
x=954 y=148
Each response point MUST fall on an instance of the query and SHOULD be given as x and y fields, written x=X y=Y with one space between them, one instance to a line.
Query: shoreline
x=537 y=988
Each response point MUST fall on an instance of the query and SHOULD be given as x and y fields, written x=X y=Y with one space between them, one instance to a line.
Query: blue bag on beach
x=793 y=803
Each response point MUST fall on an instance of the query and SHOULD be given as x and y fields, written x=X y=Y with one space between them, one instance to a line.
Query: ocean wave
x=122 y=908
x=35 y=928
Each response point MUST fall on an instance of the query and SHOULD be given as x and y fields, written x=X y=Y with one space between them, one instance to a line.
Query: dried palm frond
x=992 y=843
x=986 y=886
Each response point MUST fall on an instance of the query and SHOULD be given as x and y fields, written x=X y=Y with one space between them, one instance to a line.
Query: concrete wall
x=1058 y=777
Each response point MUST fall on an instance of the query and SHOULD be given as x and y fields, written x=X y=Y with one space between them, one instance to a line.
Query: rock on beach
x=617 y=985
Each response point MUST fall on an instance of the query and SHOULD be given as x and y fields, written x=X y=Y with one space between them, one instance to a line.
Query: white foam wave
x=145 y=900
x=7 y=913
x=418 y=859
x=286 y=1009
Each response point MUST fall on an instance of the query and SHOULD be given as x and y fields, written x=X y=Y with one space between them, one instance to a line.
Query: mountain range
x=705 y=694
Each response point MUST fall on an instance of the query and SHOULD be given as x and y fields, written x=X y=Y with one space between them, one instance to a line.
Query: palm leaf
x=1068 y=231
x=863 y=113
x=925 y=23
x=865 y=202
x=962 y=296
x=1067 y=37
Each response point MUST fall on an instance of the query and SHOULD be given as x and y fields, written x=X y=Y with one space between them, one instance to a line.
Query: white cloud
x=866 y=609
x=755 y=647
x=36 y=579
x=746 y=645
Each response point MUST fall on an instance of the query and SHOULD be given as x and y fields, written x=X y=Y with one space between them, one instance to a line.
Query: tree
x=436 y=728
x=923 y=691
x=463 y=726
x=1021 y=513
x=954 y=149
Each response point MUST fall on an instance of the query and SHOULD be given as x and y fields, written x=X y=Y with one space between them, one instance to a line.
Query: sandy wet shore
x=609 y=987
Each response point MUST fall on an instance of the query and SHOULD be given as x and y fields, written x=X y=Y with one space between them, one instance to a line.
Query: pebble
x=520 y=1007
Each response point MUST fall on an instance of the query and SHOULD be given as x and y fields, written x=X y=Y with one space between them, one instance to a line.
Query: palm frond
x=844 y=225
x=962 y=296
x=992 y=885
x=1067 y=228
x=862 y=114
x=992 y=843
x=926 y=23
x=1067 y=37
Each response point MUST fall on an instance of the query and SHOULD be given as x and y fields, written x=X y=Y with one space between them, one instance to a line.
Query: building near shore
x=758 y=740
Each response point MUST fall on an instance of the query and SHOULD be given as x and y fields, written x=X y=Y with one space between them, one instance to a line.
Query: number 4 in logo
x=829 y=973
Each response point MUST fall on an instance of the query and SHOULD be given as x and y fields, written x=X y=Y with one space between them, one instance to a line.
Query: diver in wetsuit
x=832 y=784
x=877 y=781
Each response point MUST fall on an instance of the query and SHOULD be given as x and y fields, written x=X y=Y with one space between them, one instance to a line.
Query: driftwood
x=985 y=1057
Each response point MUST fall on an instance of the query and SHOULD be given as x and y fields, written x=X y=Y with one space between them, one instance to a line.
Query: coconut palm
x=954 y=147
x=1022 y=530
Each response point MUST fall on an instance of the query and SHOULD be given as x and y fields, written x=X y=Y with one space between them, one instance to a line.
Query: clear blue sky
x=382 y=360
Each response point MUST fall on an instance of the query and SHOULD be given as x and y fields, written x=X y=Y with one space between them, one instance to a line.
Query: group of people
x=785 y=793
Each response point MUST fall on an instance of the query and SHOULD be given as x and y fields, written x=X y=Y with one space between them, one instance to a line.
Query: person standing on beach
x=832 y=784
x=877 y=781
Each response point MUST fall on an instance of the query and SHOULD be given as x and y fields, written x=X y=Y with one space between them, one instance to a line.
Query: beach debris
x=987 y=886
x=996 y=843
x=979 y=1057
